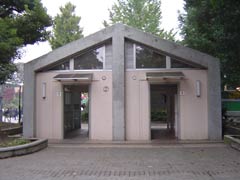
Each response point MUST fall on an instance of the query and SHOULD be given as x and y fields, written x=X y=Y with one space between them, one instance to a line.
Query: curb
x=232 y=141
x=24 y=149
x=12 y=131
x=135 y=145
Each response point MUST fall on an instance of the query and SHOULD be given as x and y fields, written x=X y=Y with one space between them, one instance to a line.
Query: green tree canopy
x=22 y=22
x=145 y=15
x=65 y=27
x=213 y=27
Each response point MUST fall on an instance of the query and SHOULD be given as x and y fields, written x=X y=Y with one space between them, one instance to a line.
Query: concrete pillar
x=214 y=101
x=118 y=85
x=29 y=102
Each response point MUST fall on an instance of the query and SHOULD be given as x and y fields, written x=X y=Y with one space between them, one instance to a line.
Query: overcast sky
x=92 y=13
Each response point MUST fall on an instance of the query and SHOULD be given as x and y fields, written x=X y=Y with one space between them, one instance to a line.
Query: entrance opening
x=163 y=111
x=76 y=110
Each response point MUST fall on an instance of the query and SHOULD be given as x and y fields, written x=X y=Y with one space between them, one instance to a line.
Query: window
x=148 y=58
x=93 y=59
x=179 y=64
x=108 y=55
x=63 y=66
x=129 y=54
x=138 y=56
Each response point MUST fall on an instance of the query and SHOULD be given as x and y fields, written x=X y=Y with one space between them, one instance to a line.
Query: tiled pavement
x=134 y=162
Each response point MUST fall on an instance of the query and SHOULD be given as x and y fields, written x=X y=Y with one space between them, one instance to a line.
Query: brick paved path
x=192 y=162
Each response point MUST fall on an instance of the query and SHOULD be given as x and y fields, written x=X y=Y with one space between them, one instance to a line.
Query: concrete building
x=139 y=87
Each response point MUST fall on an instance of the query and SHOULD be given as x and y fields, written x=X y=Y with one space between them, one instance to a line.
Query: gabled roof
x=168 y=47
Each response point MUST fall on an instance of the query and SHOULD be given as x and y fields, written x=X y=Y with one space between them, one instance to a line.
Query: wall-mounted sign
x=106 y=89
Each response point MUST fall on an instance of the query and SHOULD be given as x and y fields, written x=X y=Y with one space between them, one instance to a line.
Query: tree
x=145 y=15
x=213 y=27
x=22 y=22
x=17 y=76
x=65 y=27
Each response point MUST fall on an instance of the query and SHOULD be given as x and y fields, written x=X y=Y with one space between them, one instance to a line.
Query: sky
x=92 y=13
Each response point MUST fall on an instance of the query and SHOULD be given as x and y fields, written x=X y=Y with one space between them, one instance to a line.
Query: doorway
x=163 y=109
x=76 y=112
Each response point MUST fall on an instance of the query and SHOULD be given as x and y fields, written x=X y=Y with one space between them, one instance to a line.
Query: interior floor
x=78 y=134
x=161 y=131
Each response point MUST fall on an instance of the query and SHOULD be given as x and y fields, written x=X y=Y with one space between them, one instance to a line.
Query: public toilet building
x=126 y=85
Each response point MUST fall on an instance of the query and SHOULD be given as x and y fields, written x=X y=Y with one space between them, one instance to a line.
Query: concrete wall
x=49 y=114
x=137 y=106
x=101 y=106
x=192 y=110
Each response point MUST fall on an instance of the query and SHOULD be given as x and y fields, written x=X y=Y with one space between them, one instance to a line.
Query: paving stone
x=151 y=163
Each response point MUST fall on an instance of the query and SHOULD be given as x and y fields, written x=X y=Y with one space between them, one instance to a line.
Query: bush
x=84 y=116
x=159 y=115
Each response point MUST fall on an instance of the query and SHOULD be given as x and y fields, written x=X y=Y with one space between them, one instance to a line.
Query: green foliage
x=6 y=70
x=85 y=111
x=231 y=95
x=213 y=27
x=84 y=116
x=159 y=115
x=65 y=27
x=22 y=22
x=32 y=24
x=141 y=14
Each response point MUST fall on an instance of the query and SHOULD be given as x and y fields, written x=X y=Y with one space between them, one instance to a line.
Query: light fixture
x=238 y=88
x=198 y=88
x=44 y=85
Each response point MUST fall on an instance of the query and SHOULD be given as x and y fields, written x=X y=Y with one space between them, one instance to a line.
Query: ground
x=134 y=162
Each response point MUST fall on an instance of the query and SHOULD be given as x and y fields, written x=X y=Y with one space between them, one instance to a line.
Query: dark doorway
x=163 y=111
x=76 y=121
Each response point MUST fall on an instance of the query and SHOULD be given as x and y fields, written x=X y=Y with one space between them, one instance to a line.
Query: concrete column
x=214 y=102
x=118 y=85
x=29 y=102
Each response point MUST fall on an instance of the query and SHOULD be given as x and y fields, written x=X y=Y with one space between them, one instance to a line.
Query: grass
x=14 y=142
